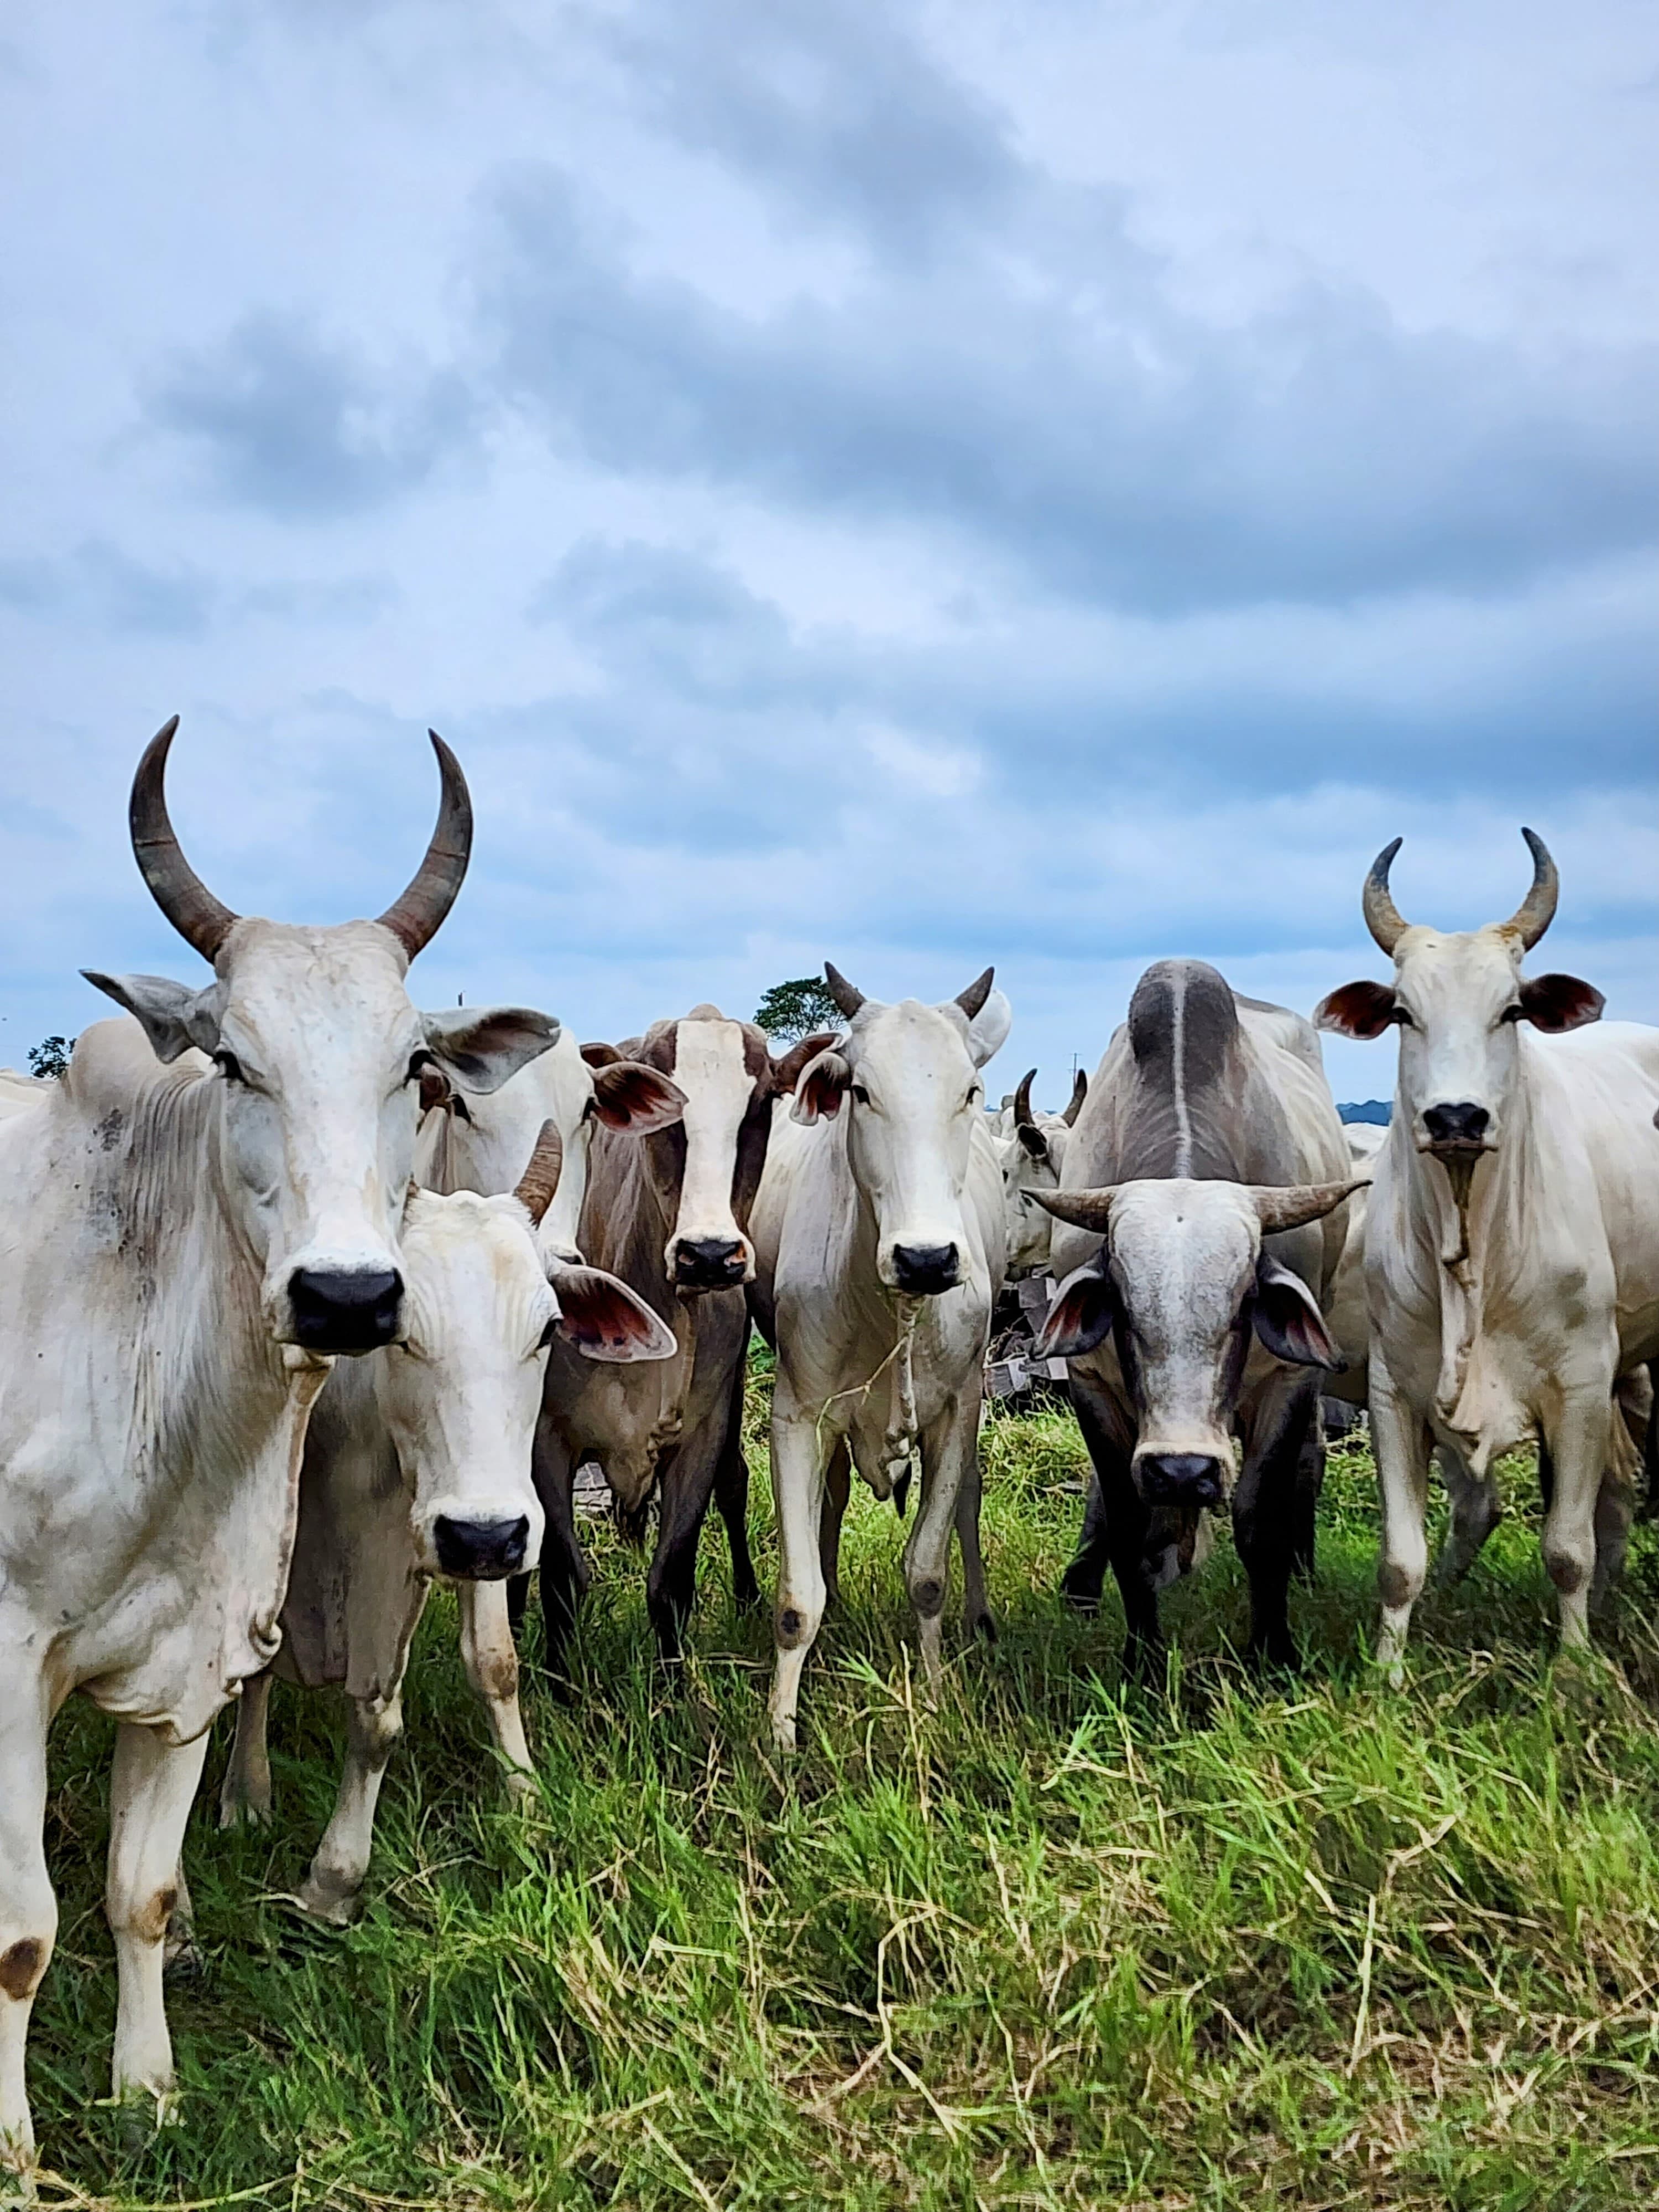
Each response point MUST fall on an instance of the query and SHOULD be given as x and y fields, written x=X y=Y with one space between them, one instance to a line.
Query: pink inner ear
x=593 y=1311
x=1557 y=1003
x=1362 y=1009
x=1078 y=1320
x=628 y=1095
x=822 y=1093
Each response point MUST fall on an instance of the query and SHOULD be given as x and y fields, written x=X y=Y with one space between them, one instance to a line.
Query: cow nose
x=338 y=1310
x=1462 y=1124
x=921 y=1271
x=480 y=1551
x=1179 y=1479
x=708 y=1263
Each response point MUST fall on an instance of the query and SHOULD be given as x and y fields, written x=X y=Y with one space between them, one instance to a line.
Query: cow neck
x=895 y=1369
x=626 y=1220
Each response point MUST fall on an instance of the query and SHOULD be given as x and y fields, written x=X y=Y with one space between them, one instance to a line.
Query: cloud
x=101 y=584
x=285 y=421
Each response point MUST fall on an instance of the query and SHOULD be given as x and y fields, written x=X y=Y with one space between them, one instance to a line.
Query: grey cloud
x=99 y=580
x=304 y=429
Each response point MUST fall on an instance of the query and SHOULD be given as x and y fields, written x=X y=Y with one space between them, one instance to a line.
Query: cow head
x=1458 y=999
x=319 y=1055
x=706 y=1167
x=1030 y=1159
x=1181 y=1284
x=461 y=1390
x=908 y=1076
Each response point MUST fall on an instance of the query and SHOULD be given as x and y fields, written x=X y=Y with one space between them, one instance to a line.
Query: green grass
x=1310 y=1945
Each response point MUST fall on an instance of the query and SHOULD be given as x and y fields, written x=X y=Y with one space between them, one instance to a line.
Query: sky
x=1057 y=484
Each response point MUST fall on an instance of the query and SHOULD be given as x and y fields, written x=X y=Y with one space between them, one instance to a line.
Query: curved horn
x=1079 y=1092
x=540 y=1179
x=1382 y=917
x=1083 y=1209
x=977 y=993
x=1537 y=910
x=1022 y=1101
x=1290 y=1206
x=847 y=1000
x=414 y=919
x=174 y=885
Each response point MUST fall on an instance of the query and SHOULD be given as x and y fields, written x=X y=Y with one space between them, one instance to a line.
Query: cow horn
x=1537 y=910
x=847 y=1000
x=1083 y=1209
x=1022 y=1101
x=1382 y=917
x=1079 y=1092
x=977 y=993
x=414 y=919
x=1290 y=1206
x=540 y=1179
x=174 y=885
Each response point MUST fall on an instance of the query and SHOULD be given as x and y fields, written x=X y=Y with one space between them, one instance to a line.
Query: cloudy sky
x=1054 y=482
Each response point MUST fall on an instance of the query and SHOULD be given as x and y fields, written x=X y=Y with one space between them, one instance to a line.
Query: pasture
x=1054 y=1945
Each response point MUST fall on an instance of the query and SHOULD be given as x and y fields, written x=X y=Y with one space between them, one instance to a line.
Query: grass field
x=1054 y=1945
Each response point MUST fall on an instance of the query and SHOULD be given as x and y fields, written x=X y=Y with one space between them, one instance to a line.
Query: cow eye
x=229 y=1067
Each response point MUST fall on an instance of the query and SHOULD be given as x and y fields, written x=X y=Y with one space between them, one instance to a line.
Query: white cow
x=417 y=1465
x=182 y=1248
x=1031 y=1152
x=1512 y=1252
x=879 y=1250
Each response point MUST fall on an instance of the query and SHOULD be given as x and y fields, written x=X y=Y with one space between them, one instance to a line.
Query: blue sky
x=1058 y=484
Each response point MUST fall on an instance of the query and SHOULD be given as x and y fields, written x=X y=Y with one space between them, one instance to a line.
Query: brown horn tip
x=847 y=1000
x=540 y=1179
x=1022 y=1101
x=174 y=885
x=973 y=998
x=1083 y=1209
x=1537 y=910
x=1293 y=1205
x=414 y=919
x=1382 y=917
x=1079 y=1092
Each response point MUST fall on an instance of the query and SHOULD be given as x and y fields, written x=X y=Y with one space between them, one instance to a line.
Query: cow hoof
x=520 y=1788
x=141 y=2112
x=985 y=1628
x=328 y=1905
x=245 y=1812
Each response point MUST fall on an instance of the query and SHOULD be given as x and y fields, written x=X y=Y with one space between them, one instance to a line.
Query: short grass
x=1054 y=1945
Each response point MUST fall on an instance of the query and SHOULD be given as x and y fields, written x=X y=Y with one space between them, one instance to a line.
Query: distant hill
x=1369 y=1109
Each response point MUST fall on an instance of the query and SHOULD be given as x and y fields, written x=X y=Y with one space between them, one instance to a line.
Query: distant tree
x=795 y=1009
x=50 y=1056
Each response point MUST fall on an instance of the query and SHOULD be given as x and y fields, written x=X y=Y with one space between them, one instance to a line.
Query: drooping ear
x=173 y=1015
x=485 y=1045
x=820 y=1087
x=787 y=1071
x=1288 y=1321
x=604 y=1319
x=1082 y=1314
x=988 y=1031
x=1362 y=1009
x=1035 y=1140
x=437 y=1089
x=1556 y=1002
x=600 y=1055
x=627 y=1095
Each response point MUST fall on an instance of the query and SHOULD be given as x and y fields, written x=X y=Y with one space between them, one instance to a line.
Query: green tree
x=50 y=1056
x=795 y=1009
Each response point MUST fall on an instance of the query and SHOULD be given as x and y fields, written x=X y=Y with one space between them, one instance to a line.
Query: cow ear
x=1362 y=1009
x=604 y=1319
x=787 y=1071
x=600 y=1055
x=485 y=1045
x=987 y=1032
x=1034 y=1139
x=174 y=1016
x=819 y=1088
x=1081 y=1316
x=1288 y=1321
x=627 y=1095
x=1556 y=1002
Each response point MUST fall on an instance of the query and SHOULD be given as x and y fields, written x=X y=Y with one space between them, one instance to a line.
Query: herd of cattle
x=549 y=1256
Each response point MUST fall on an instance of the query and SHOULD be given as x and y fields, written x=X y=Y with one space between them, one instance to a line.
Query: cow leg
x=945 y=1447
x=564 y=1569
x=152 y=1787
x=1579 y=1440
x=1400 y=1440
x=330 y=1890
x=686 y=1482
x=1309 y=1488
x=1116 y=1524
x=732 y=1497
x=837 y=1487
x=798 y=1458
x=1265 y=1510
x=28 y=1915
x=491 y=1661
x=245 y=1794
x=1476 y=1510
x=976 y=1614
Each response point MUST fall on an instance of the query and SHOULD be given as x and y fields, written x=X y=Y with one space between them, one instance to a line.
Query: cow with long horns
x=206 y=1210
x=1202 y=1188
x=1512 y=1239
x=1031 y=1152
x=878 y=1255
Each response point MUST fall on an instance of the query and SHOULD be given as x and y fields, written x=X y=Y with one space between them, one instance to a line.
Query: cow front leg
x=1266 y=1515
x=245 y=1794
x=976 y=1614
x=946 y=1446
x=1115 y=1529
x=152 y=1786
x=1579 y=1441
x=732 y=1497
x=492 y=1667
x=28 y=1915
x=331 y=1889
x=1476 y=1510
x=837 y=1488
x=686 y=1482
x=564 y=1569
x=798 y=1453
x=1400 y=1441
